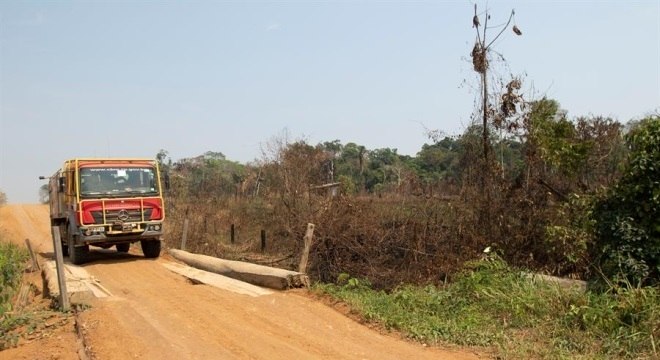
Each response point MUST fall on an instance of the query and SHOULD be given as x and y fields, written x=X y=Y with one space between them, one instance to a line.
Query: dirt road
x=156 y=314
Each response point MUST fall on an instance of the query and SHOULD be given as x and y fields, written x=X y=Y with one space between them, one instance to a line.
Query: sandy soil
x=156 y=314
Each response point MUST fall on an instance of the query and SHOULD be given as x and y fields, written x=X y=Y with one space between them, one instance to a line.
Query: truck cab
x=105 y=203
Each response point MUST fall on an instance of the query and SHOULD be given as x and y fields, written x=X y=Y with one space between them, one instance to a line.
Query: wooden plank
x=217 y=280
x=81 y=287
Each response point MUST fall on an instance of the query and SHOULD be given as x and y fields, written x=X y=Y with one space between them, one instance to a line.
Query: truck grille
x=112 y=216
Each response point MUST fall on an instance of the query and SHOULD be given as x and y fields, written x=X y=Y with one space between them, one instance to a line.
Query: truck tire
x=150 y=248
x=78 y=254
x=123 y=248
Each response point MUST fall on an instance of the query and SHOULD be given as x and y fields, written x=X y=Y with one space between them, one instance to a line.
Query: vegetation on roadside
x=493 y=305
x=627 y=218
x=12 y=263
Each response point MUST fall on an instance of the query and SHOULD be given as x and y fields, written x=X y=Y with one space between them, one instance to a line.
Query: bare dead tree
x=480 y=62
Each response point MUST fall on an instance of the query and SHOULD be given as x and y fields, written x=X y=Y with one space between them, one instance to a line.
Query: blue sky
x=124 y=78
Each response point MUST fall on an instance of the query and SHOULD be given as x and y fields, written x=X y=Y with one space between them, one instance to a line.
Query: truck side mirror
x=61 y=184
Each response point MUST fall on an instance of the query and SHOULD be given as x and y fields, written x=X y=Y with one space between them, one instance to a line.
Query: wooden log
x=304 y=259
x=260 y=275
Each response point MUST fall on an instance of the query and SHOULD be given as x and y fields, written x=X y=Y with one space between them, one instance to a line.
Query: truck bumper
x=97 y=235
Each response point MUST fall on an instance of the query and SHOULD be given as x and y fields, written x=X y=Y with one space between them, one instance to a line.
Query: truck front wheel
x=150 y=248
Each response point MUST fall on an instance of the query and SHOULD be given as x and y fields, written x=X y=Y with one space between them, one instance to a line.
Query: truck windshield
x=117 y=182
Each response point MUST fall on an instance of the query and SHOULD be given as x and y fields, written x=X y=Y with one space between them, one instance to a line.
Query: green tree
x=440 y=160
x=334 y=147
x=628 y=217
x=554 y=138
x=576 y=156
x=207 y=175
x=347 y=185
x=352 y=163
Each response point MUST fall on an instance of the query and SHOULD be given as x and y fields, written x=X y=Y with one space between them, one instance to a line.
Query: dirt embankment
x=156 y=314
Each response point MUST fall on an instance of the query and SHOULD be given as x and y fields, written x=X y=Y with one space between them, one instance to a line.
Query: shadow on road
x=102 y=256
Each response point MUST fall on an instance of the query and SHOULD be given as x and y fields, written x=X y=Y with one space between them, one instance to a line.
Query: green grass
x=492 y=305
x=12 y=262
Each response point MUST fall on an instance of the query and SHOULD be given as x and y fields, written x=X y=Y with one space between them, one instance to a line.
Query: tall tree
x=480 y=60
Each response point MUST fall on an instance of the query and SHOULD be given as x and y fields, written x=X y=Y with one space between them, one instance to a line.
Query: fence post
x=184 y=236
x=232 y=233
x=59 y=265
x=263 y=240
x=309 y=235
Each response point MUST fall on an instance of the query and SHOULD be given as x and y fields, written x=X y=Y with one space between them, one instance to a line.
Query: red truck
x=105 y=203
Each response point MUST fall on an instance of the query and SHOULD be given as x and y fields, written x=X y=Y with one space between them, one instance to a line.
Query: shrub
x=628 y=217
